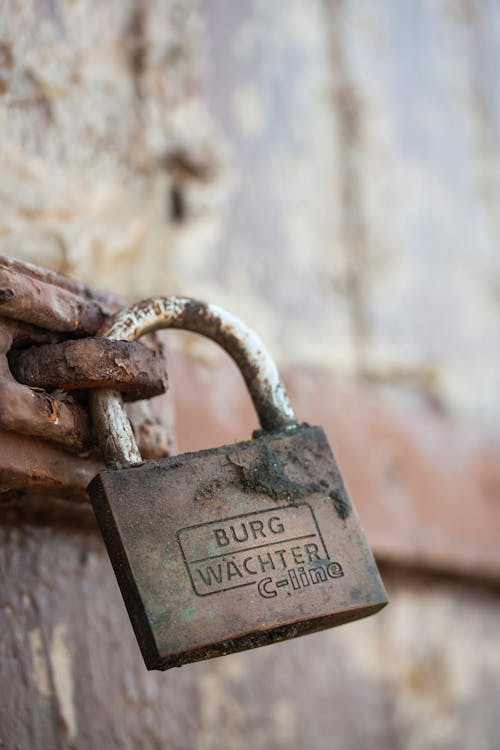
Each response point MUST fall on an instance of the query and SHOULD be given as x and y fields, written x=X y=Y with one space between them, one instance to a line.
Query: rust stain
x=257 y=573
x=70 y=365
x=40 y=430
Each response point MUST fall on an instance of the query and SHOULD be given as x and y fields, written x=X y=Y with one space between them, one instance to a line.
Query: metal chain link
x=48 y=354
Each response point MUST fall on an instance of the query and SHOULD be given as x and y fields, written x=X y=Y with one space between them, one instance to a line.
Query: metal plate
x=236 y=547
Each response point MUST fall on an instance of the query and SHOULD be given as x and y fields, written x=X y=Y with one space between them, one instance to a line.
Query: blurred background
x=328 y=170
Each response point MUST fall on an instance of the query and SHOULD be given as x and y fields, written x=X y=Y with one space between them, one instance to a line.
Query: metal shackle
x=240 y=342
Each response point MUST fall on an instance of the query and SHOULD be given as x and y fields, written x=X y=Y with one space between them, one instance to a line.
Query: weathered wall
x=421 y=674
x=329 y=171
x=344 y=151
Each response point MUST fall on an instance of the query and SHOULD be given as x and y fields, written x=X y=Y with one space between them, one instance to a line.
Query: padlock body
x=235 y=547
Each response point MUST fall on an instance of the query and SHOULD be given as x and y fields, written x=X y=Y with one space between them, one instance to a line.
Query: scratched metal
x=133 y=369
x=240 y=342
x=235 y=547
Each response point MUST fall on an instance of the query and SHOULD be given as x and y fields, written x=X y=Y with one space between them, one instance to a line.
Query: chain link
x=48 y=361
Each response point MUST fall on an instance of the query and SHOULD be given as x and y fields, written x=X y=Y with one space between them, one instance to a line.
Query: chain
x=49 y=359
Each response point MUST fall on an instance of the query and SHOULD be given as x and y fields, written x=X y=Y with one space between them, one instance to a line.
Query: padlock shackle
x=240 y=342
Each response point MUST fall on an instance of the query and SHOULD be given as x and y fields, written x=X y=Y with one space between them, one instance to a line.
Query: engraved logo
x=275 y=550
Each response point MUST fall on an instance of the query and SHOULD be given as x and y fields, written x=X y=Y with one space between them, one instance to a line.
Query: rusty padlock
x=233 y=547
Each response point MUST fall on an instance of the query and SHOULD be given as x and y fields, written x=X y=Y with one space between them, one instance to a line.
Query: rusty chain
x=91 y=363
x=49 y=358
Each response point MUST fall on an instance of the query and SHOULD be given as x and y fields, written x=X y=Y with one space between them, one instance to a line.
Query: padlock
x=234 y=547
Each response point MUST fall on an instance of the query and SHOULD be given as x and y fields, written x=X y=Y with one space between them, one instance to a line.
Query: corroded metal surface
x=32 y=466
x=44 y=304
x=236 y=547
x=33 y=411
x=200 y=525
x=106 y=302
x=92 y=363
x=240 y=342
x=235 y=337
x=39 y=430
